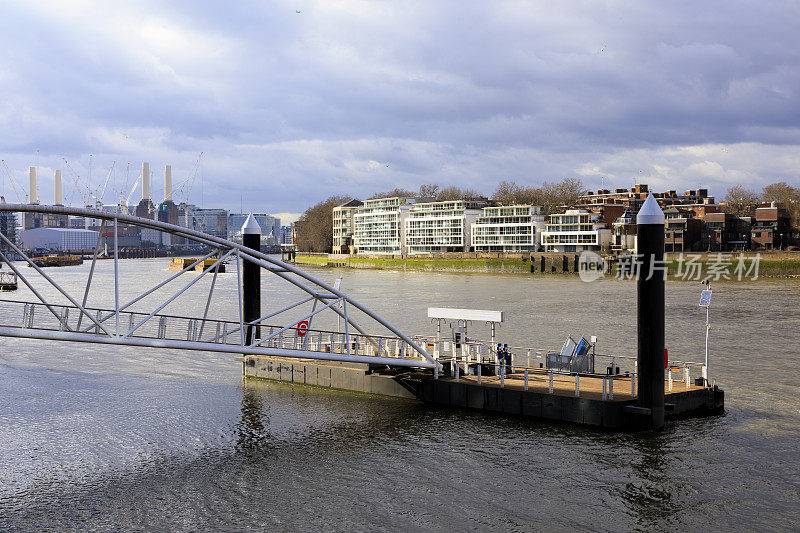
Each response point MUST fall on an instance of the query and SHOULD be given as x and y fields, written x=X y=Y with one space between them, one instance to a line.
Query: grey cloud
x=296 y=107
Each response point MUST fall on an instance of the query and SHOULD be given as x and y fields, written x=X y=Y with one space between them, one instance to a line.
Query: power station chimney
x=33 y=197
x=58 y=199
x=145 y=181
x=168 y=183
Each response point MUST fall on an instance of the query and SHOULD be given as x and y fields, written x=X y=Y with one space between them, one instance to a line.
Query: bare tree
x=456 y=193
x=405 y=193
x=315 y=226
x=564 y=193
x=741 y=201
x=506 y=193
x=787 y=196
x=552 y=196
x=429 y=190
x=529 y=196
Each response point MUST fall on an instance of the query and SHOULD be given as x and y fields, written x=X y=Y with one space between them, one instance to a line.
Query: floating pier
x=601 y=401
x=564 y=386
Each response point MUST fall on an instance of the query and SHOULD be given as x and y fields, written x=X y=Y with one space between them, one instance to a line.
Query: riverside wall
x=771 y=264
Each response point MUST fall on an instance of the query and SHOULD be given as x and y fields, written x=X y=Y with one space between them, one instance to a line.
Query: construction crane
x=135 y=184
x=103 y=192
x=13 y=181
x=76 y=180
x=121 y=191
x=180 y=192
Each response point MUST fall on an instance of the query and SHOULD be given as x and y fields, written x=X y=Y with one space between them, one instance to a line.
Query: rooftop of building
x=64 y=230
x=351 y=203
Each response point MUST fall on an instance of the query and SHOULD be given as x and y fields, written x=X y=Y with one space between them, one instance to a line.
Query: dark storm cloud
x=464 y=93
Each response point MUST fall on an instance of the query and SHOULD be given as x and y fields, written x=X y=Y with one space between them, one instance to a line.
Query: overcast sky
x=351 y=97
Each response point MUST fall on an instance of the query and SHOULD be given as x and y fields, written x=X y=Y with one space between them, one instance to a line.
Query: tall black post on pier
x=251 y=279
x=650 y=309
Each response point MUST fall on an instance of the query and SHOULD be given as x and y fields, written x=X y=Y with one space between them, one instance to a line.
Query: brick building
x=682 y=230
x=772 y=228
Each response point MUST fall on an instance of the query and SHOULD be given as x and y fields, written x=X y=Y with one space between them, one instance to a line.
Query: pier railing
x=71 y=323
x=472 y=355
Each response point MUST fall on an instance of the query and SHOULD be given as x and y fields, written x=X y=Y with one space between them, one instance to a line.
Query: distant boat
x=55 y=260
x=179 y=263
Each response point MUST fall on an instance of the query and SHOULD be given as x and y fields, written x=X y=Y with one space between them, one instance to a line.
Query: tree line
x=315 y=225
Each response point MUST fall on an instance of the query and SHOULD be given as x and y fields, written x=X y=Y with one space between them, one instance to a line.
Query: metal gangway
x=283 y=332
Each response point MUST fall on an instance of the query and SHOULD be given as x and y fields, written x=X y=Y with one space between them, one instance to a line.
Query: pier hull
x=588 y=409
x=354 y=377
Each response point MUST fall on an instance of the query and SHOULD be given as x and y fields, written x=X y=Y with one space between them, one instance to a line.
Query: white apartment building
x=508 y=229
x=378 y=225
x=436 y=227
x=575 y=231
x=344 y=226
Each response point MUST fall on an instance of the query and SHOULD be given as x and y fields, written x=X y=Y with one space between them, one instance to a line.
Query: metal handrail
x=64 y=312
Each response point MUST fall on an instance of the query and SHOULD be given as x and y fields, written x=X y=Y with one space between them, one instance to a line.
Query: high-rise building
x=211 y=221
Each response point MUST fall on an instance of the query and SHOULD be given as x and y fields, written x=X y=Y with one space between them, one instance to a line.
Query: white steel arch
x=202 y=333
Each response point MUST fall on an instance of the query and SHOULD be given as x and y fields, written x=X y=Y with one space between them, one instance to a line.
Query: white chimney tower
x=145 y=181
x=58 y=199
x=33 y=197
x=168 y=183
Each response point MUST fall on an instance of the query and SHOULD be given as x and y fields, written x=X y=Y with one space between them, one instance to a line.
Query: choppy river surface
x=93 y=438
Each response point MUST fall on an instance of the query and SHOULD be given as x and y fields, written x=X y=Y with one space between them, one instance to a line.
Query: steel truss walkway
x=70 y=319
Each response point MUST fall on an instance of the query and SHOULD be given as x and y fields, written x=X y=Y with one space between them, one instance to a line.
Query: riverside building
x=59 y=239
x=437 y=227
x=212 y=221
x=772 y=228
x=508 y=229
x=378 y=225
x=575 y=230
x=344 y=226
x=8 y=227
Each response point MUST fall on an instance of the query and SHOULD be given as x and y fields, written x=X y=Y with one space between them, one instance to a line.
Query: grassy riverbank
x=770 y=264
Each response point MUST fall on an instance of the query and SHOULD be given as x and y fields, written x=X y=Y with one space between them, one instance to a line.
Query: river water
x=93 y=438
